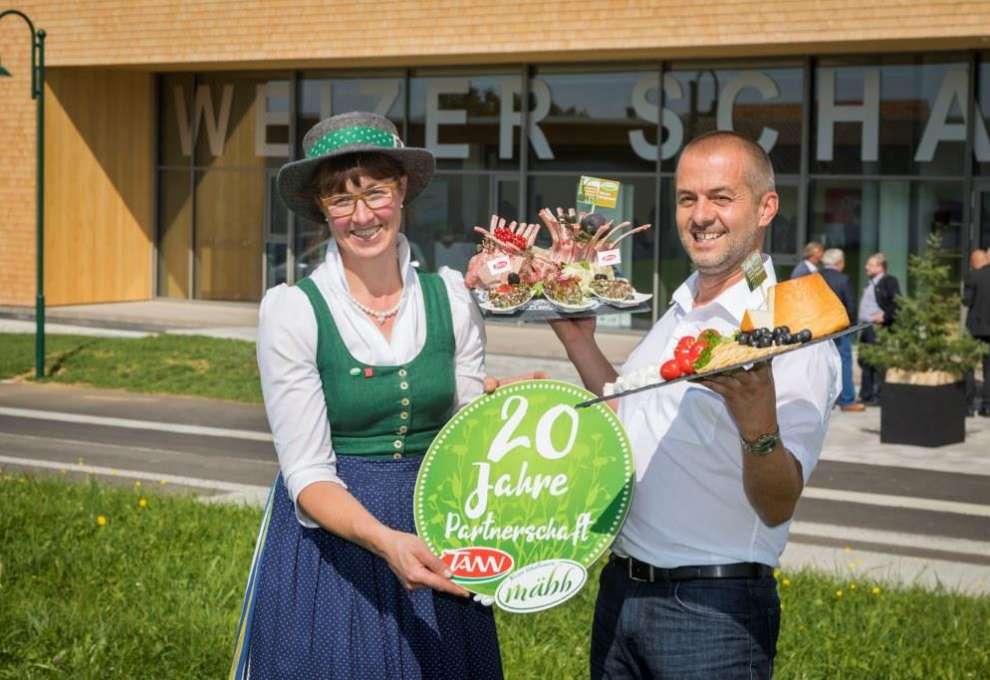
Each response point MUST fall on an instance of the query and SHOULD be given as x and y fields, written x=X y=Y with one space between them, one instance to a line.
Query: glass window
x=325 y=95
x=636 y=203
x=892 y=217
x=175 y=119
x=440 y=222
x=591 y=119
x=243 y=120
x=981 y=136
x=891 y=115
x=174 y=233
x=469 y=121
x=763 y=102
x=230 y=212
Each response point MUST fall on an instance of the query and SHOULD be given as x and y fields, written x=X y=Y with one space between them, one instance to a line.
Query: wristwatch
x=762 y=445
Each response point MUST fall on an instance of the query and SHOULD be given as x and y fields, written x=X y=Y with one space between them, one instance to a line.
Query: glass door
x=276 y=265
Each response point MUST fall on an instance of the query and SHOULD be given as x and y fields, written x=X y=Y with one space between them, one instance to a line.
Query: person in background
x=877 y=306
x=812 y=258
x=976 y=297
x=833 y=262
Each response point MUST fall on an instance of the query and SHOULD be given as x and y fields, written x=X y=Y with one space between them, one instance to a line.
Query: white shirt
x=689 y=506
x=290 y=381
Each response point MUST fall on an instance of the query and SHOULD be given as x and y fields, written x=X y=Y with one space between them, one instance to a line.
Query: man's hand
x=492 y=384
x=750 y=398
x=417 y=567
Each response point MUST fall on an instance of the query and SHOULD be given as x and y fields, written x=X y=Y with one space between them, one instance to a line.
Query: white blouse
x=291 y=384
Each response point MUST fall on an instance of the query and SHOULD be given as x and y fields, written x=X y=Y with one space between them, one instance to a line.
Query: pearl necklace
x=380 y=317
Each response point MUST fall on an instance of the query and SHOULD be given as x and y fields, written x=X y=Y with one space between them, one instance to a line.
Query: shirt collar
x=876 y=279
x=735 y=300
x=339 y=282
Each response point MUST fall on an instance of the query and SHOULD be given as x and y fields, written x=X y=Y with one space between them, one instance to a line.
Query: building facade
x=165 y=134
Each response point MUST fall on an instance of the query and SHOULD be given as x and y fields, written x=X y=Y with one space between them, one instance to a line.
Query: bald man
x=720 y=465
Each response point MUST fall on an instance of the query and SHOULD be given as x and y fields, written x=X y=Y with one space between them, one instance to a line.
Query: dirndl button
x=403 y=373
x=405 y=401
x=397 y=456
x=397 y=443
x=404 y=415
x=403 y=385
x=403 y=429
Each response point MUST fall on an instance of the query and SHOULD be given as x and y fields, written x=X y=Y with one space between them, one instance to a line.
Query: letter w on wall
x=216 y=125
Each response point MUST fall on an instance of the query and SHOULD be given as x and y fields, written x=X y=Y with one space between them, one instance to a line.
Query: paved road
x=887 y=512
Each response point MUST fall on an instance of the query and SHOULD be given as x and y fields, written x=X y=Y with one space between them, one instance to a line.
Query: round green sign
x=521 y=492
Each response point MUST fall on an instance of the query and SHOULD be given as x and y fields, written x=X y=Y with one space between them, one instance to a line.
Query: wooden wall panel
x=99 y=195
x=171 y=34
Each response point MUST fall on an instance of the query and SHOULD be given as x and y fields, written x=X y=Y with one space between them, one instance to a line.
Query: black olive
x=786 y=339
x=784 y=329
x=744 y=338
x=777 y=332
x=514 y=278
x=600 y=277
x=804 y=335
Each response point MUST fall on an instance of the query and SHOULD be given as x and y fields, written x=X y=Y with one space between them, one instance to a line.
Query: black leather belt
x=641 y=571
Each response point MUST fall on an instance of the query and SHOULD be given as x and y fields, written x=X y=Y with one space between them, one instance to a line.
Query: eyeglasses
x=375 y=197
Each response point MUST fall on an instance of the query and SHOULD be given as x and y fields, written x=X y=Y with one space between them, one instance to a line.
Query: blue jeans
x=702 y=628
x=845 y=346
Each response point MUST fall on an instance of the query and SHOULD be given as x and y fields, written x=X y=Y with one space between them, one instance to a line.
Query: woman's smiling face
x=370 y=230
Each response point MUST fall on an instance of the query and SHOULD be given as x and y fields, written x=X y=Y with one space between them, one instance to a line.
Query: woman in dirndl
x=361 y=365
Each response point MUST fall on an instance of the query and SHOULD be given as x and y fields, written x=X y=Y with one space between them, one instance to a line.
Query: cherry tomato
x=686 y=341
x=696 y=350
x=686 y=364
x=670 y=370
x=682 y=351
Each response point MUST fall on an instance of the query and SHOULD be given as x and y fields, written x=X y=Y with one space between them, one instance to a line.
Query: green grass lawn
x=192 y=365
x=155 y=591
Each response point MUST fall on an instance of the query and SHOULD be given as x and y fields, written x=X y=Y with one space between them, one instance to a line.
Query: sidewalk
x=239 y=320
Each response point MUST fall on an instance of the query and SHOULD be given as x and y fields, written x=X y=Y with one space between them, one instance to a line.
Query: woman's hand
x=416 y=567
x=492 y=384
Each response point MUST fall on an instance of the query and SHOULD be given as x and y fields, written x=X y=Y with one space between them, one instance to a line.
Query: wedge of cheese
x=805 y=302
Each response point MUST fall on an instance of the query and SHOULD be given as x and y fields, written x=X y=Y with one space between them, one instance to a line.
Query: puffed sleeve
x=807 y=385
x=293 y=391
x=469 y=337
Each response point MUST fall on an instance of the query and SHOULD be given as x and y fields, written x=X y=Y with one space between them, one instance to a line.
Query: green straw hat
x=348 y=133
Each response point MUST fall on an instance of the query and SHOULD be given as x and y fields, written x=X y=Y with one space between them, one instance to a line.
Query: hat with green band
x=348 y=133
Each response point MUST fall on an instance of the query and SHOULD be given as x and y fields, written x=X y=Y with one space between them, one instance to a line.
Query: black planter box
x=923 y=415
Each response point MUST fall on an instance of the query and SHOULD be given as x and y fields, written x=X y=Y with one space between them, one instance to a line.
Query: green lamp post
x=38 y=94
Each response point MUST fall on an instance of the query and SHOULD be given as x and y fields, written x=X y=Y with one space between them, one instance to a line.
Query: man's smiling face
x=720 y=218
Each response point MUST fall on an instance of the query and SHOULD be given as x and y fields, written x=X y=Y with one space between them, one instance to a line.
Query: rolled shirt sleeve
x=293 y=392
x=808 y=384
x=469 y=337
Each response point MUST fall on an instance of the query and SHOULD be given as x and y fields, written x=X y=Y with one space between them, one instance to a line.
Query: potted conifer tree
x=926 y=353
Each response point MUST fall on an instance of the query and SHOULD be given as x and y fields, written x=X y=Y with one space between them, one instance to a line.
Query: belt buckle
x=632 y=575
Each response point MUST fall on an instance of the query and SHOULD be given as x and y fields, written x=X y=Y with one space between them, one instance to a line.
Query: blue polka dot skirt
x=318 y=606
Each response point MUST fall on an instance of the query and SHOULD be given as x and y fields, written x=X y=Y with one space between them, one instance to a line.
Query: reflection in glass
x=440 y=222
x=321 y=97
x=981 y=147
x=469 y=122
x=892 y=217
x=763 y=103
x=891 y=115
x=175 y=233
x=230 y=210
x=604 y=121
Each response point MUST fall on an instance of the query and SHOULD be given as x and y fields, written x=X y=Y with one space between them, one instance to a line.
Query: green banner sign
x=603 y=193
x=520 y=493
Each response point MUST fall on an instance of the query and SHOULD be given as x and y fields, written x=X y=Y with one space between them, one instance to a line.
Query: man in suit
x=833 y=262
x=878 y=307
x=812 y=258
x=976 y=296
